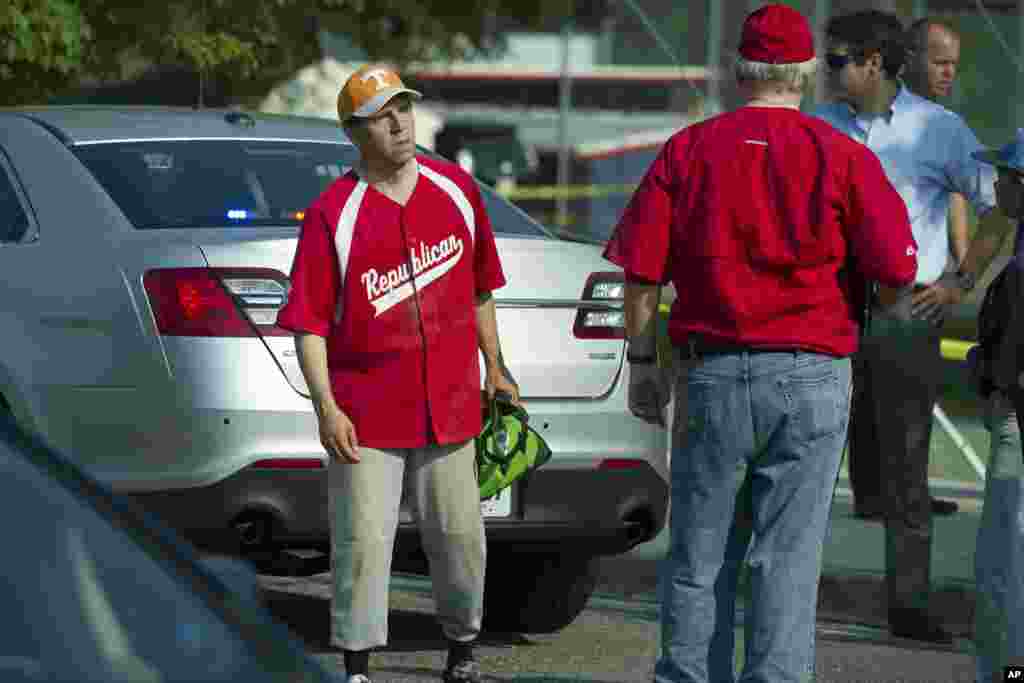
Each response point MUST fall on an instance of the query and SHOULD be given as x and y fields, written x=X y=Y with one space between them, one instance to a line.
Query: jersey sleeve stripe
x=343 y=237
x=456 y=194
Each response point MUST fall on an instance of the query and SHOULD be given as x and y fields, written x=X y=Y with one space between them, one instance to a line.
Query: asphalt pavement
x=853 y=639
x=616 y=638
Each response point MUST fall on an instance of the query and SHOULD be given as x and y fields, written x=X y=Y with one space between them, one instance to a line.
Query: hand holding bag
x=507 y=448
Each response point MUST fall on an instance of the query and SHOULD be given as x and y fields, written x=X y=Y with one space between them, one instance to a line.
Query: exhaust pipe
x=254 y=533
x=639 y=526
x=254 y=530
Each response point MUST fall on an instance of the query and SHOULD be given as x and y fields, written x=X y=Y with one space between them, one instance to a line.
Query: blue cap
x=1010 y=155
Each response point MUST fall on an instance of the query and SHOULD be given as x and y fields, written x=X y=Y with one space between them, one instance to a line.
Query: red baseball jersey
x=756 y=216
x=393 y=290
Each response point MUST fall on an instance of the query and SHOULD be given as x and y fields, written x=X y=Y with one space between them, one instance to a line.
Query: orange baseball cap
x=368 y=90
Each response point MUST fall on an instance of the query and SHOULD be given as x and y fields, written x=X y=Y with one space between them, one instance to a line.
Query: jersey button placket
x=419 y=303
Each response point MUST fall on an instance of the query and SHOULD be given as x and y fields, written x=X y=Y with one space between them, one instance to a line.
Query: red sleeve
x=486 y=265
x=878 y=226
x=313 y=297
x=640 y=243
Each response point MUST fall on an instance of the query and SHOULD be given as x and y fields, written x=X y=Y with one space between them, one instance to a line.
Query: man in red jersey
x=759 y=217
x=390 y=300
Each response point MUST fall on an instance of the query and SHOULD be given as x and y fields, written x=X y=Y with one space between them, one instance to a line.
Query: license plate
x=498 y=506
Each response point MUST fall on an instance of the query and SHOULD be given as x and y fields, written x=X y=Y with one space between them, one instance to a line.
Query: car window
x=507 y=218
x=226 y=183
x=81 y=601
x=14 y=220
x=215 y=183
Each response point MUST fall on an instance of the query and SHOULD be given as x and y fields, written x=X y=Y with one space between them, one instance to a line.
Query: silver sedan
x=145 y=254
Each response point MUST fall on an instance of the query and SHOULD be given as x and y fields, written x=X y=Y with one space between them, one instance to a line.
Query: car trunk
x=538 y=311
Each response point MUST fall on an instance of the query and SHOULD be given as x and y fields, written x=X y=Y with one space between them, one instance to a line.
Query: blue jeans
x=999 y=554
x=757 y=443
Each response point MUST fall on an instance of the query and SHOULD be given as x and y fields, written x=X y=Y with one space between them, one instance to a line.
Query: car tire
x=536 y=592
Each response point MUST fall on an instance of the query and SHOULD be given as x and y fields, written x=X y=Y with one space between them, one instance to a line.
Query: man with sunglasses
x=926 y=151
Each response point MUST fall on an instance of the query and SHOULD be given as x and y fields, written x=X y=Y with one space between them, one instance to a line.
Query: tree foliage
x=41 y=46
x=245 y=44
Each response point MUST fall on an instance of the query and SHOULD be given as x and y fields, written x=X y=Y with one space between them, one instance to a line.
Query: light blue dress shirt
x=926 y=151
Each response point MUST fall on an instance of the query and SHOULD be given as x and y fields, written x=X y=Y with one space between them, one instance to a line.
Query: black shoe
x=357 y=666
x=466 y=671
x=944 y=507
x=461 y=667
x=917 y=624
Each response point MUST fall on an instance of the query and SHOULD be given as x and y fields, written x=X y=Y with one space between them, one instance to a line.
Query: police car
x=145 y=255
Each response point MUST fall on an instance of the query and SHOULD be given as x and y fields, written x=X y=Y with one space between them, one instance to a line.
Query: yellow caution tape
x=552 y=218
x=550 y=192
x=952 y=349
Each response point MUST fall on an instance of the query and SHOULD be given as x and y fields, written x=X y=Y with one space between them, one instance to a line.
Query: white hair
x=797 y=75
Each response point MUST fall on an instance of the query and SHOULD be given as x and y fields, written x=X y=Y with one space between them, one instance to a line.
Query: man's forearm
x=487 y=329
x=641 y=308
x=988 y=240
x=312 y=352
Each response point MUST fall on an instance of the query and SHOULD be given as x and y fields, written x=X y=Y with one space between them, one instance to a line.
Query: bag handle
x=501 y=397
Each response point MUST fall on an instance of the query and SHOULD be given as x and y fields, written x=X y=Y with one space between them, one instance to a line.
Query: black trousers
x=900 y=364
x=864 y=456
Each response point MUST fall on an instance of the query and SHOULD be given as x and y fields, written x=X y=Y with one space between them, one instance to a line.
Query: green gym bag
x=507 y=448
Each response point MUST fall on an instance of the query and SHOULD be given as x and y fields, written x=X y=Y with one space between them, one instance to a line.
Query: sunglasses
x=837 y=62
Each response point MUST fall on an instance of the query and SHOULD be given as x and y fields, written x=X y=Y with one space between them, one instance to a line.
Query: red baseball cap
x=777 y=34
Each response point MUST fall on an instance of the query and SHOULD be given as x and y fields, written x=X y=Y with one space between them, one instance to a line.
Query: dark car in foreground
x=95 y=589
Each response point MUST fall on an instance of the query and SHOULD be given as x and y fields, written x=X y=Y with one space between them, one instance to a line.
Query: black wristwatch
x=965 y=281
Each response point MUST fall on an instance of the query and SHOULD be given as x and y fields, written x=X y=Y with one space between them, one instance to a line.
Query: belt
x=697 y=346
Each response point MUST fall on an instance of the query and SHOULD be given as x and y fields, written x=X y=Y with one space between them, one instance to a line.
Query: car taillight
x=621 y=464
x=217 y=302
x=260 y=294
x=600 y=315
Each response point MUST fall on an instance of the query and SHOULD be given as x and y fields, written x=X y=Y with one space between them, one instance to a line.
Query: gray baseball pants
x=439 y=483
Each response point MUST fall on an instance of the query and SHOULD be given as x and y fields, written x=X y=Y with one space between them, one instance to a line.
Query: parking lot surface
x=616 y=638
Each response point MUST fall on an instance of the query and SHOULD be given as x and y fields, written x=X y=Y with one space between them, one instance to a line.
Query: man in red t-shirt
x=760 y=218
x=390 y=300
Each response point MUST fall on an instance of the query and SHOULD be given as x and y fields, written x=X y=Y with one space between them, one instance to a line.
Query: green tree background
x=42 y=47
x=51 y=45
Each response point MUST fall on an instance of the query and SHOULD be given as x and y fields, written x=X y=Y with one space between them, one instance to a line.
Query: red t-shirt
x=754 y=216
x=393 y=290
